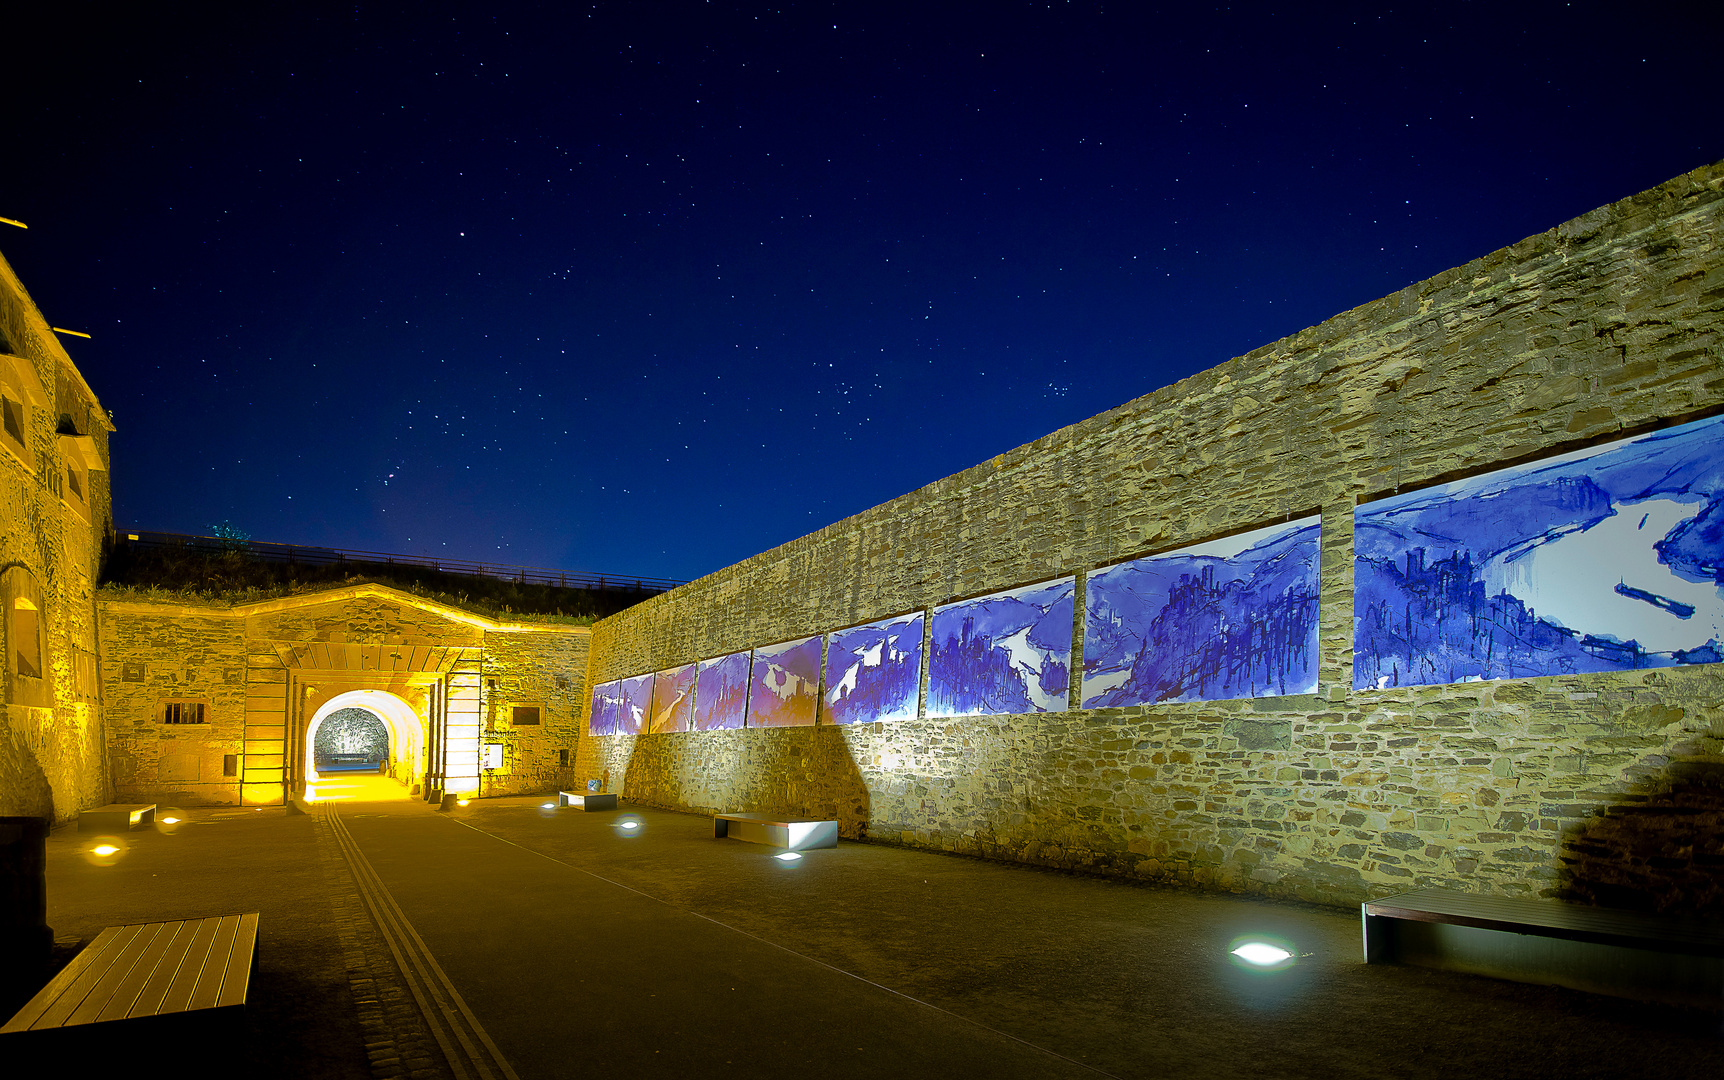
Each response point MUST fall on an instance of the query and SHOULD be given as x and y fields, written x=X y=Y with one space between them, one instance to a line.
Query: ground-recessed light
x=170 y=821
x=548 y=806
x=629 y=825
x=105 y=850
x=788 y=856
x=1261 y=953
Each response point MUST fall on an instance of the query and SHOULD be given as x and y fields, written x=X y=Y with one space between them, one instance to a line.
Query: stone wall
x=54 y=513
x=546 y=671
x=155 y=654
x=1602 y=327
x=263 y=670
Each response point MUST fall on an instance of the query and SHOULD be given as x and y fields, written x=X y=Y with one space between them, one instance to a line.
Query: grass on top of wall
x=232 y=578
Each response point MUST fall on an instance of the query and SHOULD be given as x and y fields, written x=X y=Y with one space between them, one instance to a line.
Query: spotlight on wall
x=1258 y=953
x=788 y=856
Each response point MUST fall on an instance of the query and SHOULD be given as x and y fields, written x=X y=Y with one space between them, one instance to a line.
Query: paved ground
x=577 y=947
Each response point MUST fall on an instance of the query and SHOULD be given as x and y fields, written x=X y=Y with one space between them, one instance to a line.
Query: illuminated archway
x=405 y=726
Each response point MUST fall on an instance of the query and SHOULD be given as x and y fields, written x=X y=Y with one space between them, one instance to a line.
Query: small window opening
x=27 y=636
x=183 y=712
x=525 y=714
x=230 y=765
x=73 y=484
x=14 y=420
x=563 y=758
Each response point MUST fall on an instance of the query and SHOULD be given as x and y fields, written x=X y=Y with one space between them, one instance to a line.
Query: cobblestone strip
x=396 y=1039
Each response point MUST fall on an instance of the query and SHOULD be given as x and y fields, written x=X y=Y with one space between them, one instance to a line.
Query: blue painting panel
x=1605 y=559
x=874 y=672
x=1009 y=652
x=672 y=700
x=784 y=690
x=721 y=693
x=607 y=709
x=637 y=705
x=1231 y=619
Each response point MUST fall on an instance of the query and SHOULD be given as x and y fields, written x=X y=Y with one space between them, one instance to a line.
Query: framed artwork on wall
x=1233 y=618
x=721 y=693
x=784 y=689
x=636 y=706
x=1604 y=559
x=874 y=672
x=1008 y=652
x=607 y=709
x=672 y=700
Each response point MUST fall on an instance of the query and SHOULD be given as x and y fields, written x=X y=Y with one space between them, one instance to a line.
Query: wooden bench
x=196 y=970
x=588 y=800
x=796 y=834
x=1603 y=951
x=116 y=817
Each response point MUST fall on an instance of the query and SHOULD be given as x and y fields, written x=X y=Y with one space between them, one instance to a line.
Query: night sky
x=649 y=288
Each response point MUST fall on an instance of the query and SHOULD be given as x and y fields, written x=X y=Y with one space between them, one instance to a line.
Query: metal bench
x=116 y=817
x=796 y=834
x=199 y=969
x=588 y=800
x=1603 y=951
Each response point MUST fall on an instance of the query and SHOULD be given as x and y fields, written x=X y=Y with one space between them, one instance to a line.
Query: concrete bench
x=796 y=834
x=588 y=800
x=148 y=977
x=116 y=817
x=1621 y=953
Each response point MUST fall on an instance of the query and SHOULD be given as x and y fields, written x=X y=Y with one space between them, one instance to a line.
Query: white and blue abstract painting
x=784 y=690
x=874 y=672
x=1605 y=559
x=607 y=709
x=721 y=693
x=1234 y=618
x=636 y=706
x=672 y=700
x=1009 y=652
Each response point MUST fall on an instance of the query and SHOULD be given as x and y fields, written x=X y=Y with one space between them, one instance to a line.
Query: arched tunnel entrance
x=363 y=745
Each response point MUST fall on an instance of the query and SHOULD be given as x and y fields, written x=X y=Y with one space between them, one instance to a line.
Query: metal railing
x=358 y=560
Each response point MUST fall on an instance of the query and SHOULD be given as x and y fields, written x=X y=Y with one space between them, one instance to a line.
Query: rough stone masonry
x=1599 y=787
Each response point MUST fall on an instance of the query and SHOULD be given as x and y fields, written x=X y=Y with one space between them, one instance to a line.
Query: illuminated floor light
x=788 y=856
x=105 y=850
x=548 y=806
x=170 y=821
x=460 y=802
x=1261 y=954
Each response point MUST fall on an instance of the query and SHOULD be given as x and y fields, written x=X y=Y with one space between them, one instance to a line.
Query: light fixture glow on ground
x=788 y=856
x=1262 y=953
x=631 y=825
x=105 y=850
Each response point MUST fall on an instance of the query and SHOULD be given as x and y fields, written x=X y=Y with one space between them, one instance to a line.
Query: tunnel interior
x=352 y=740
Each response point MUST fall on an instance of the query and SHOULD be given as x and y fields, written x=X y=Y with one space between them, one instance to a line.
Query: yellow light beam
x=74 y=333
x=14 y=221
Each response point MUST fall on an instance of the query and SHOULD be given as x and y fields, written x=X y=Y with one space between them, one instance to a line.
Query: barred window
x=183 y=712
